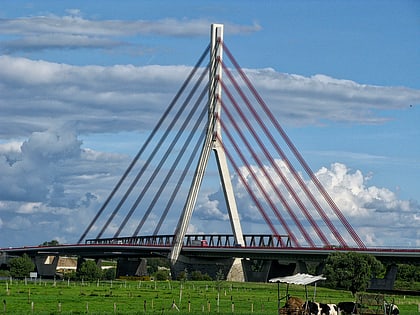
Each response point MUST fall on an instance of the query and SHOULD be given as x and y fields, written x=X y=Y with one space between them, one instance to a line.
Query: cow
x=311 y=308
x=391 y=309
x=347 y=308
x=328 y=309
x=315 y=308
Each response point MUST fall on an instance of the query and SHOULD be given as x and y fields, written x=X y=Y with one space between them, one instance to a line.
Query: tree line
x=349 y=271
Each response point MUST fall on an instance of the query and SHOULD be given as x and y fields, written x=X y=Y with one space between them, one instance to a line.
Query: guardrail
x=213 y=240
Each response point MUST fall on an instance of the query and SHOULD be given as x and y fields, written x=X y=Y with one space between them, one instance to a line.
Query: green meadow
x=162 y=297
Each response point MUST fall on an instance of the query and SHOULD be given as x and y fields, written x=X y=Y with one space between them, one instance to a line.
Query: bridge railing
x=159 y=240
x=212 y=240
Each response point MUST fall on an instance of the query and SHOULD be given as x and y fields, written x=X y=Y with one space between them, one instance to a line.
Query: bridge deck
x=215 y=246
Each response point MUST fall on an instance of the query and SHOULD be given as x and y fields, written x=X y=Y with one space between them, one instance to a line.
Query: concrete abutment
x=46 y=266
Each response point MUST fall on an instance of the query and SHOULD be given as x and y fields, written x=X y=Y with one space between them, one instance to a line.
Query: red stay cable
x=308 y=170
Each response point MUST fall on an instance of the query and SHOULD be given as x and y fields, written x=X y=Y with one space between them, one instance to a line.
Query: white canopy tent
x=300 y=279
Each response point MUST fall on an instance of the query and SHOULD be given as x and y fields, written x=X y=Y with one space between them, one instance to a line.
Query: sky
x=83 y=83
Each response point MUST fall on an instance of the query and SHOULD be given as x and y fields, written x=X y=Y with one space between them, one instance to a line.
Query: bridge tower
x=211 y=143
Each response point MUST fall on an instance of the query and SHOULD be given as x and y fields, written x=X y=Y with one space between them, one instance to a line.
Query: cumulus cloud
x=209 y=208
x=50 y=186
x=54 y=187
x=377 y=212
x=34 y=169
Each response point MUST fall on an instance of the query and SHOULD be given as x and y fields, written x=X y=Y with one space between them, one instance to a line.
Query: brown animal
x=294 y=306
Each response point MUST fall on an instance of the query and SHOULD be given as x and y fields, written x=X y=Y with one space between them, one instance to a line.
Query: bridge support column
x=387 y=283
x=263 y=270
x=4 y=260
x=256 y=270
x=131 y=267
x=46 y=266
x=282 y=268
x=236 y=272
x=80 y=261
x=301 y=267
x=319 y=270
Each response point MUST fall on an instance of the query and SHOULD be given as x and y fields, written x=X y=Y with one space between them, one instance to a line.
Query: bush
x=198 y=276
x=109 y=274
x=89 y=271
x=162 y=275
x=72 y=275
x=4 y=273
x=153 y=264
x=20 y=267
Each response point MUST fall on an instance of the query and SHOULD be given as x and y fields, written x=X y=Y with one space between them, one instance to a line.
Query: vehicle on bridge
x=202 y=243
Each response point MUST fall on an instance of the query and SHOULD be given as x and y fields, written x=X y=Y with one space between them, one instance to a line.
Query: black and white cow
x=315 y=308
x=348 y=308
x=329 y=309
x=391 y=309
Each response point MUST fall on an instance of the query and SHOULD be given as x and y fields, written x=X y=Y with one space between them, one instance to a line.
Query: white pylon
x=212 y=142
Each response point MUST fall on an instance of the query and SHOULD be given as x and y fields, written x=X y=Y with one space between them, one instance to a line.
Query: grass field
x=161 y=297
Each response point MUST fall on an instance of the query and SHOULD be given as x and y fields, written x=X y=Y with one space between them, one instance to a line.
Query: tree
x=109 y=274
x=20 y=267
x=409 y=273
x=89 y=271
x=183 y=275
x=351 y=271
x=50 y=243
x=199 y=276
x=153 y=264
x=162 y=275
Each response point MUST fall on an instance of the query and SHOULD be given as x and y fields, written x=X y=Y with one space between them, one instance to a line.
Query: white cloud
x=29 y=208
x=76 y=24
x=35 y=168
x=53 y=187
x=208 y=209
x=81 y=179
x=19 y=223
x=96 y=99
x=48 y=177
x=74 y=31
x=378 y=216
x=320 y=97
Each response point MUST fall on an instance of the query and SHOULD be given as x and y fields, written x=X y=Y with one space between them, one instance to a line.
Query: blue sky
x=76 y=76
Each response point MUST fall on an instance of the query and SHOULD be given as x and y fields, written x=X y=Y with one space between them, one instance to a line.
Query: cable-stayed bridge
x=227 y=116
x=218 y=111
